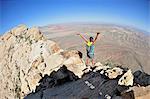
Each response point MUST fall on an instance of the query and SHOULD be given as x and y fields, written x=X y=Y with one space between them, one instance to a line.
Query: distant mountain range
x=123 y=45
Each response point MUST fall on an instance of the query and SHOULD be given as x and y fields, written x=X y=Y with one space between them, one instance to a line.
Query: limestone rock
x=126 y=79
x=74 y=53
x=52 y=63
x=87 y=69
x=76 y=65
x=98 y=64
x=74 y=62
x=102 y=69
x=114 y=72
x=108 y=71
x=26 y=56
x=35 y=34
x=20 y=29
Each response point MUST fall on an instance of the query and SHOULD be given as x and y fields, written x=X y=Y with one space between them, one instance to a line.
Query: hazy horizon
x=134 y=13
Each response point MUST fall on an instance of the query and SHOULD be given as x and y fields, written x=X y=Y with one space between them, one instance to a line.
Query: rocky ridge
x=26 y=56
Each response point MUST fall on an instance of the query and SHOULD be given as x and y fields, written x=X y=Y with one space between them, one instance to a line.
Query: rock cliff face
x=26 y=56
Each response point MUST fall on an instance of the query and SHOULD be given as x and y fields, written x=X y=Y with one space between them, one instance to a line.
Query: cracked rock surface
x=26 y=56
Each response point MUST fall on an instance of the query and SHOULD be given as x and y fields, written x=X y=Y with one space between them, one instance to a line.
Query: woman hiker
x=90 y=48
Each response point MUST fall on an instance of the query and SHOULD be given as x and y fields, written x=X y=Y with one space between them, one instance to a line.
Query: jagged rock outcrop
x=92 y=84
x=126 y=79
x=26 y=56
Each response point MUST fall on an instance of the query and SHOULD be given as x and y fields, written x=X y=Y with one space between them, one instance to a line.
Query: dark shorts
x=89 y=55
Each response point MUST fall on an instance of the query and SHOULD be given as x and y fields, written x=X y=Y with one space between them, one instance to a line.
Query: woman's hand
x=98 y=33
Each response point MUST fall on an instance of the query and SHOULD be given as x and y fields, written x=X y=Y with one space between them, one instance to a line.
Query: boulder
x=98 y=64
x=141 y=78
x=126 y=79
x=35 y=34
x=74 y=62
x=114 y=72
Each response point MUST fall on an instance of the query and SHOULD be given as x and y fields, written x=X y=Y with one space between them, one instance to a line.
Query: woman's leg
x=87 y=61
x=93 y=62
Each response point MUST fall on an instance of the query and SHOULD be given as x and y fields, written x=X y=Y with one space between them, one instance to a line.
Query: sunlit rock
x=126 y=79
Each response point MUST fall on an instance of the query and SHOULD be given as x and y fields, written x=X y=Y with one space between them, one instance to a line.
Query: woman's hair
x=91 y=39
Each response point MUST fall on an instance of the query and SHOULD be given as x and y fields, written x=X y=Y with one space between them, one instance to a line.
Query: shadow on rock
x=92 y=85
x=141 y=78
x=77 y=89
x=56 y=78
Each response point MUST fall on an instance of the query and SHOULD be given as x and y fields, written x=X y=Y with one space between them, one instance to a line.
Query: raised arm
x=96 y=37
x=83 y=38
